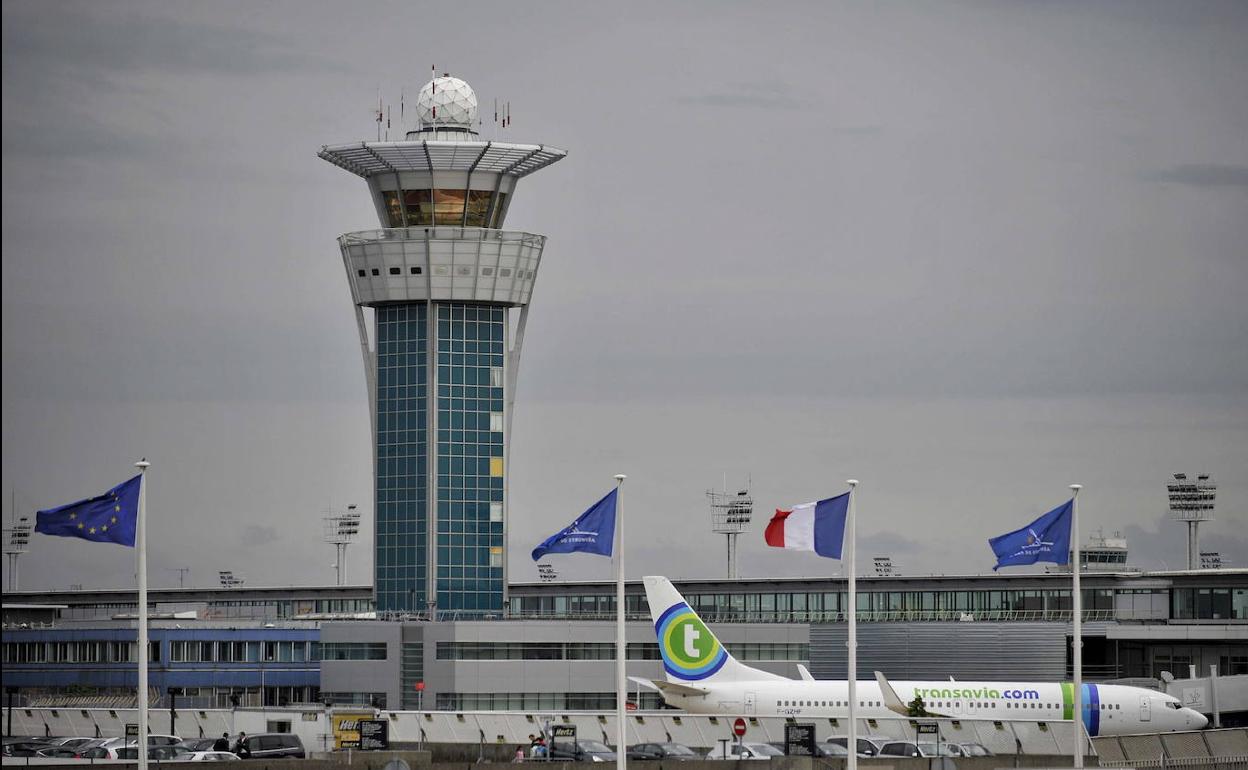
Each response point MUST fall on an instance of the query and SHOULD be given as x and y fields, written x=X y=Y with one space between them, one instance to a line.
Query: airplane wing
x=679 y=689
x=643 y=682
x=893 y=702
x=805 y=672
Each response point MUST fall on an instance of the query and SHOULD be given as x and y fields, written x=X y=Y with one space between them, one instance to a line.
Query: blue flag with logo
x=592 y=532
x=107 y=518
x=1045 y=539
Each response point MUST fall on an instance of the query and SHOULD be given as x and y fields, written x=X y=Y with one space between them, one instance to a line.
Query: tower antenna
x=379 y=113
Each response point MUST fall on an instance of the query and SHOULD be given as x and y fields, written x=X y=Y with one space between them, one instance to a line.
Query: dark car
x=272 y=746
x=673 y=751
x=58 y=752
x=25 y=748
x=582 y=751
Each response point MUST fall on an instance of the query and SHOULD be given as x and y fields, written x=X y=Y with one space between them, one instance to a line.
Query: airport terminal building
x=553 y=645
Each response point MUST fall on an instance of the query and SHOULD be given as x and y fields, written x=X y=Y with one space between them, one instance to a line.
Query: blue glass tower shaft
x=460 y=470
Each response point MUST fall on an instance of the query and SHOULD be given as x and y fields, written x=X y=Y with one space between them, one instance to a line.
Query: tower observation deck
x=442 y=279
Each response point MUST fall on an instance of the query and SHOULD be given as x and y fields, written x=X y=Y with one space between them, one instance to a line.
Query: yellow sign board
x=346 y=725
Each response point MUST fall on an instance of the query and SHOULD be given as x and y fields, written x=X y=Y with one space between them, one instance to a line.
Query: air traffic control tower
x=443 y=279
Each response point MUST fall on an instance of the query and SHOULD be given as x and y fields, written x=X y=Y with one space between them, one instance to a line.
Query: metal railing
x=872 y=616
x=439 y=232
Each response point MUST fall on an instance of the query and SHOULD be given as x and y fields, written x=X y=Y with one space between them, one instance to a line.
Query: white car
x=152 y=740
x=745 y=750
x=208 y=756
x=101 y=752
x=70 y=743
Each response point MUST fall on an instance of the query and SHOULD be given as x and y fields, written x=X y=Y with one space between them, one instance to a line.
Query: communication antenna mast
x=1191 y=501
x=16 y=543
x=340 y=531
x=730 y=515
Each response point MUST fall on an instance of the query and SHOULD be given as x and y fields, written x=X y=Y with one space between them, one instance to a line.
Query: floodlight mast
x=16 y=543
x=1191 y=501
x=730 y=516
x=341 y=530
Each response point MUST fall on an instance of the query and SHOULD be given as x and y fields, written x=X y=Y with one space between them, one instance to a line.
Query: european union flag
x=107 y=518
x=592 y=532
x=1045 y=539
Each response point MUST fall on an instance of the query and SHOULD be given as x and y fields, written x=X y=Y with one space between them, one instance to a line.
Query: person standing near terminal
x=222 y=743
x=240 y=748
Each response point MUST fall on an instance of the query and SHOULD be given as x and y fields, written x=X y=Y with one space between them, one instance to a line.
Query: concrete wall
x=364 y=675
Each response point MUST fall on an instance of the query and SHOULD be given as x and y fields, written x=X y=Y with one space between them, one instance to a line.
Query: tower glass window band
x=471 y=343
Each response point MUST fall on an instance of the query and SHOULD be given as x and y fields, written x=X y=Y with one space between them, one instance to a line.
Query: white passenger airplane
x=702 y=678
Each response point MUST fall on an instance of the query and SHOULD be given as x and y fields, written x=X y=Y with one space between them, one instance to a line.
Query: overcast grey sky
x=968 y=253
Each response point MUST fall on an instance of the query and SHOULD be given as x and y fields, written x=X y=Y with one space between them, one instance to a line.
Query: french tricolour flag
x=818 y=527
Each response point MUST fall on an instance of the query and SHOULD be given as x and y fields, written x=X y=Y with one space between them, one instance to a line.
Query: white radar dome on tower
x=447 y=102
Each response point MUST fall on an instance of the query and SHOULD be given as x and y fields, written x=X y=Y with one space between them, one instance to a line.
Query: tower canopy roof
x=370 y=158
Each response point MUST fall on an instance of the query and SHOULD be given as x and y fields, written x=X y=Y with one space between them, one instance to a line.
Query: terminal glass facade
x=467 y=373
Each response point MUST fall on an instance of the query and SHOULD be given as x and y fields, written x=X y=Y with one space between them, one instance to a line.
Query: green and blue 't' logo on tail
x=689 y=649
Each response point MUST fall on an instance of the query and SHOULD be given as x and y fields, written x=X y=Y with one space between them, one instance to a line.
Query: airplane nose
x=1196 y=719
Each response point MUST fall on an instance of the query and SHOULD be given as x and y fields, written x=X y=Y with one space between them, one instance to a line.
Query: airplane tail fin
x=690 y=651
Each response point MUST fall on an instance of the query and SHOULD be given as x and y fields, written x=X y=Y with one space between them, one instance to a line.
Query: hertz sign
x=346 y=726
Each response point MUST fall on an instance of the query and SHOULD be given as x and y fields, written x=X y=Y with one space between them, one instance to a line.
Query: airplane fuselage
x=1107 y=709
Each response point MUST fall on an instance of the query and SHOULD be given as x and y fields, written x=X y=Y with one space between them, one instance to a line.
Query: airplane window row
x=953 y=704
x=826 y=703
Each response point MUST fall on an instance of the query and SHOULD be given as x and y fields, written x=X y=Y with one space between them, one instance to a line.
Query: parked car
x=24 y=748
x=974 y=750
x=673 y=751
x=867 y=747
x=824 y=749
x=209 y=756
x=153 y=752
x=919 y=749
x=744 y=750
x=101 y=752
x=57 y=752
x=582 y=751
x=272 y=746
x=69 y=743
x=152 y=740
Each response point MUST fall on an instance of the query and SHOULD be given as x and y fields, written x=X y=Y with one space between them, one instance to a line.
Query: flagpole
x=851 y=744
x=141 y=542
x=621 y=645
x=1077 y=629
